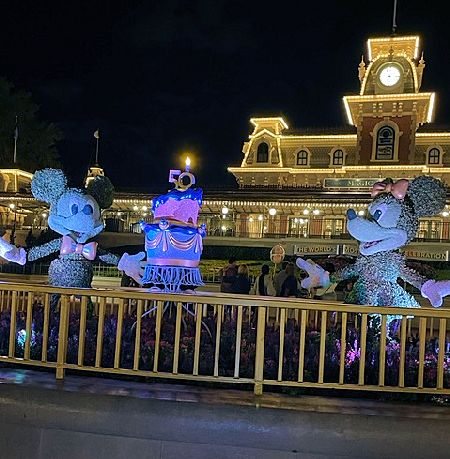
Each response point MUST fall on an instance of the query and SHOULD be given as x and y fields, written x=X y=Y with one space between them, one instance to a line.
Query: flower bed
x=227 y=347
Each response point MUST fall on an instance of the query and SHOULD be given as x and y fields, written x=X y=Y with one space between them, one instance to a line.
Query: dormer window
x=302 y=158
x=337 y=158
x=434 y=156
x=262 y=155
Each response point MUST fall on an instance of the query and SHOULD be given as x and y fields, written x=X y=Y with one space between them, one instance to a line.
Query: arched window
x=262 y=155
x=434 y=156
x=302 y=158
x=385 y=144
x=338 y=158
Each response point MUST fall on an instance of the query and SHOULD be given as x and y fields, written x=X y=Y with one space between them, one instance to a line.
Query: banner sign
x=316 y=249
x=350 y=249
x=351 y=182
x=413 y=253
x=422 y=254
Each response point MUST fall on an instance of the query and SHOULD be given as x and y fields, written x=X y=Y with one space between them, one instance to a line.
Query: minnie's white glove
x=435 y=291
x=133 y=266
x=317 y=276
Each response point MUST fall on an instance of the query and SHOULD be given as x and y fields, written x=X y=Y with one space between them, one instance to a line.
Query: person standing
x=242 y=283
x=279 y=278
x=289 y=287
x=229 y=274
x=263 y=284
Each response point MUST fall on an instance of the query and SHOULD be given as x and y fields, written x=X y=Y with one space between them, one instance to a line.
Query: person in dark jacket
x=229 y=274
x=242 y=282
x=290 y=284
x=264 y=283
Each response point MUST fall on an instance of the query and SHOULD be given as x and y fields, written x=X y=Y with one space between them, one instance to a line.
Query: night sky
x=162 y=78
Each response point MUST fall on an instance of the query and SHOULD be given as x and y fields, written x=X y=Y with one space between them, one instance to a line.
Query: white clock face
x=390 y=75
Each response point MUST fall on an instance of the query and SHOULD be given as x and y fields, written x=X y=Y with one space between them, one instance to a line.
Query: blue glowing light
x=21 y=337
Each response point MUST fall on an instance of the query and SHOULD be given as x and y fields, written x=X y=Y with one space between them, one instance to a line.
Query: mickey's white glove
x=12 y=253
x=133 y=266
x=317 y=276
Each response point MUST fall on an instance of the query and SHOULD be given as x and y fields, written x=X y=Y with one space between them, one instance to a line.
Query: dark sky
x=161 y=78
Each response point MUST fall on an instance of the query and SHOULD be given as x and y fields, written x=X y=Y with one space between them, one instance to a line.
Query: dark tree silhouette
x=36 y=144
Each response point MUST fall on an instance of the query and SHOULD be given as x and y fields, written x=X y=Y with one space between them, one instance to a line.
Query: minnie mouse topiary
x=392 y=223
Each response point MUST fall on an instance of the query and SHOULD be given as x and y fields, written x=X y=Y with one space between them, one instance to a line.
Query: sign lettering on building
x=351 y=182
x=350 y=249
x=421 y=254
x=316 y=249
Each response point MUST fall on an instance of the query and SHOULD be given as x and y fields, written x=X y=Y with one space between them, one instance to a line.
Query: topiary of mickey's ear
x=48 y=185
x=102 y=190
x=428 y=195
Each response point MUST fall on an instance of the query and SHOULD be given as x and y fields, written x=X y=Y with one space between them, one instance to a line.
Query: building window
x=262 y=155
x=385 y=144
x=302 y=158
x=434 y=156
x=338 y=158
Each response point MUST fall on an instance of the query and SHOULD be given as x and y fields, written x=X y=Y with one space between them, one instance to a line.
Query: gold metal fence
x=226 y=338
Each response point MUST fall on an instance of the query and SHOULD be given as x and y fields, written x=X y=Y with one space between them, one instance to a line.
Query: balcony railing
x=232 y=339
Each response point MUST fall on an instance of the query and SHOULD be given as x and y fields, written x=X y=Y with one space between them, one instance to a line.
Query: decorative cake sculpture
x=174 y=242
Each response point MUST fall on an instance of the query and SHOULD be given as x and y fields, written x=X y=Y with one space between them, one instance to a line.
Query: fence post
x=62 y=336
x=259 y=355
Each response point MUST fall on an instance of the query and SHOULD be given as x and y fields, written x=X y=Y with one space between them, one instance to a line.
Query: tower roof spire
x=394 y=18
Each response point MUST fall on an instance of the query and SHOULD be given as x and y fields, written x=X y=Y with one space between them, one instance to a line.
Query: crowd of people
x=284 y=283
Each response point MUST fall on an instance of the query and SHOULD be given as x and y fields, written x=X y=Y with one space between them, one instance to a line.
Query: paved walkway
x=90 y=417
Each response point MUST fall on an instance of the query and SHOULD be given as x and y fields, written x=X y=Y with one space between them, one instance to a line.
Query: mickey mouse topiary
x=76 y=215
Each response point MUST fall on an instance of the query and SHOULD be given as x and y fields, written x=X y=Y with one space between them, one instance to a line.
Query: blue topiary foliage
x=48 y=185
x=428 y=195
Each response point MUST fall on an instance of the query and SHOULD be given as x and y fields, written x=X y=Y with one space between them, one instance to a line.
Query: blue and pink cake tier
x=174 y=243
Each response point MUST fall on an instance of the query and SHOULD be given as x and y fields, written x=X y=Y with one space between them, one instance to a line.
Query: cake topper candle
x=188 y=164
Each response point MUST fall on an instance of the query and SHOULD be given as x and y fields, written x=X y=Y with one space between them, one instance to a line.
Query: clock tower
x=390 y=106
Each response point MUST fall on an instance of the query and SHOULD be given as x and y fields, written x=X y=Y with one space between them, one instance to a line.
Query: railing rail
x=226 y=338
